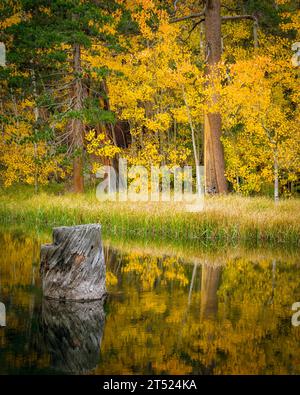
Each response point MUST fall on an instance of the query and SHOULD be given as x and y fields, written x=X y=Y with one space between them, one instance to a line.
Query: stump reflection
x=72 y=333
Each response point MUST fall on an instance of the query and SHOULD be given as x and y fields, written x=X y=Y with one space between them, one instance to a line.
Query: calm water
x=209 y=314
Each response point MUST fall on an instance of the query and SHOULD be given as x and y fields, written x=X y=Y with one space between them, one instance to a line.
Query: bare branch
x=183 y=18
x=241 y=17
x=237 y=17
x=195 y=25
x=229 y=8
x=191 y=16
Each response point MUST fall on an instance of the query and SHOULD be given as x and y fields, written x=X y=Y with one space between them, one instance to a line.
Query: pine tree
x=46 y=47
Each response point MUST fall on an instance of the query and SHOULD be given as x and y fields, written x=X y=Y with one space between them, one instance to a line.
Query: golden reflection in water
x=219 y=316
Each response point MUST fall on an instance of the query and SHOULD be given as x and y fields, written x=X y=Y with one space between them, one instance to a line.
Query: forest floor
x=227 y=219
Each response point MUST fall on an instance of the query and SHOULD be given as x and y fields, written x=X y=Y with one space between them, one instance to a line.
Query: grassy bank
x=187 y=250
x=229 y=219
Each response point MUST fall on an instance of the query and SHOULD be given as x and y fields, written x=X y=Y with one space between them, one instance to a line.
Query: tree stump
x=73 y=268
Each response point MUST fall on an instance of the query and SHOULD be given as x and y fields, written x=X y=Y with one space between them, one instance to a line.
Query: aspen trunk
x=276 y=178
x=196 y=156
x=214 y=153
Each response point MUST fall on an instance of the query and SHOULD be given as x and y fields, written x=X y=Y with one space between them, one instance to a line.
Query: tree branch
x=223 y=19
x=183 y=18
x=175 y=4
x=195 y=25
x=191 y=16
x=229 y=8
x=239 y=17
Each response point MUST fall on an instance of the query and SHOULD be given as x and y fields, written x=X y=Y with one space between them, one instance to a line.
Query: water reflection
x=72 y=333
x=215 y=313
x=2 y=314
x=210 y=280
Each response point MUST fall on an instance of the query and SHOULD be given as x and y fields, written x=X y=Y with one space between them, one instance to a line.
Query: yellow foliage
x=13 y=20
x=259 y=121
x=100 y=145
x=27 y=162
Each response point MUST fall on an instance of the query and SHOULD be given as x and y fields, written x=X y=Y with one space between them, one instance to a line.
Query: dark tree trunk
x=77 y=124
x=210 y=279
x=214 y=154
x=73 y=268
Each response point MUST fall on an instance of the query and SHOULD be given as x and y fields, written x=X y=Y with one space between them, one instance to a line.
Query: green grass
x=226 y=220
x=186 y=250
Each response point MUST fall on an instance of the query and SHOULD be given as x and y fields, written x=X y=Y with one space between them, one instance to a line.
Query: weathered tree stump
x=73 y=268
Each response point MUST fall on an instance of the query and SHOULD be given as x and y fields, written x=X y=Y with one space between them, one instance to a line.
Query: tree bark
x=214 y=153
x=73 y=268
x=77 y=124
x=209 y=161
x=36 y=118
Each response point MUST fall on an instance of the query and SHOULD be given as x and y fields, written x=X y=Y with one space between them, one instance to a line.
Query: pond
x=226 y=311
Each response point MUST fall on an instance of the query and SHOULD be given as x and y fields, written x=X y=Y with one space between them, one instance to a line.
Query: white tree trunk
x=276 y=179
x=196 y=156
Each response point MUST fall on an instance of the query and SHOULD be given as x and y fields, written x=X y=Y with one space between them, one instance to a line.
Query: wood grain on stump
x=73 y=268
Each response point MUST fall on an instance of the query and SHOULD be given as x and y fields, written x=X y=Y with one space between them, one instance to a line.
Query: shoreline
x=226 y=220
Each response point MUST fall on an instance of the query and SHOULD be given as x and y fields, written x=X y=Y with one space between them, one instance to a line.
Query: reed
x=230 y=219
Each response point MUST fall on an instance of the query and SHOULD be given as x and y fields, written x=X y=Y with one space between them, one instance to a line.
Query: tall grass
x=228 y=219
x=187 y=251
